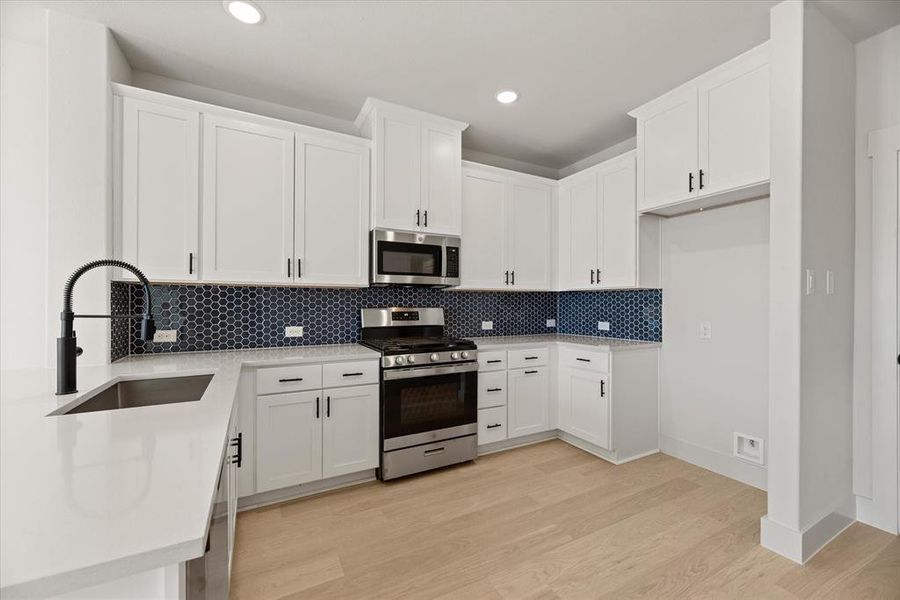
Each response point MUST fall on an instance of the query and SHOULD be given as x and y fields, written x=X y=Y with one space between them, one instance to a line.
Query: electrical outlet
x=603 y=326
x=551 y=322
x=829 y=283
x=705 y=330
x=810 y=282
x=749 y=448
x=487 y=325
x=294 y=331
x=165 y=335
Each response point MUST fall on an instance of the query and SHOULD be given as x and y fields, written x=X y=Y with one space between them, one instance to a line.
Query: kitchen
x=384 y=343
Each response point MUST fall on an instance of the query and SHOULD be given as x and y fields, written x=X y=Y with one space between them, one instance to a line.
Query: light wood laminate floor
x=546 y=521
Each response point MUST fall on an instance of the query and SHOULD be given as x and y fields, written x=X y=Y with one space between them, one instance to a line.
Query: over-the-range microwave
x=414 y=259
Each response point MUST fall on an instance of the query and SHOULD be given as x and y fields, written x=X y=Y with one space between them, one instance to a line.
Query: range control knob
x=411 y=359
x=435 y=357
x=399 y=360
x=465 y=354
x=454 y=355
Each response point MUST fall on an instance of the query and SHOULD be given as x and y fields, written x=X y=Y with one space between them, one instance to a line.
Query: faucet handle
x=79 y=350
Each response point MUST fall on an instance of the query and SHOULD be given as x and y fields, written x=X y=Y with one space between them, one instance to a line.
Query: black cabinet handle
x=592 y=277
x=602 y=388
x=690 y=182
x=496 y=360
x=494 y=425
x=299 y=268
x=190 y=263
x=598 y=276
x=290 y=379
x=531 y=357
x=701 y=179
x=352 y=374
x=530 y=372
x=507 y=278
x=495 y=389
x=513 y=278
x=238 y=443
x=426 y=217
x=328 y=406
x=418 y=216
x=584 y=359
x=317 y=408
x=289 y=267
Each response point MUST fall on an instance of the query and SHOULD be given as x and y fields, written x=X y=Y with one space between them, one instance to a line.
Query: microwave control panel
x=452 y=261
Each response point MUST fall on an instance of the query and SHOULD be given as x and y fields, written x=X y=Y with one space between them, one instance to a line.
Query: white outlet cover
x=603 y=326
x=293 y=331
x=165 y=335
x=551 y=322
x=810 y=282
x=487 y=325
x=705 y=330
x=829 y=283
x=749 y=448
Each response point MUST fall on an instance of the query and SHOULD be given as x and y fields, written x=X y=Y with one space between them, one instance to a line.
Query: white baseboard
x=800 y=546
x=715 y=461
x=306 y=489
x=517 y=442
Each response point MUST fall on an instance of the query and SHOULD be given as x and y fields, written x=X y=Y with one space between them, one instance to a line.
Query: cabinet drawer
x=584 y=359
x=295 y=378
x=349 y=373
x=491 y=425
x=492 y=389
x=492 y=360
x=532 y=357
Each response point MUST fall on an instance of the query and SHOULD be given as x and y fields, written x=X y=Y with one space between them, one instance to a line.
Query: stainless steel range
x=429 y=390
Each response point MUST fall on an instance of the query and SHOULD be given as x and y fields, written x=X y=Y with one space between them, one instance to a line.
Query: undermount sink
x=140 y=392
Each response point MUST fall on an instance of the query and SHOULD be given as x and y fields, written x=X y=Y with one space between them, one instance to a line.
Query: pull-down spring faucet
x=67 y=349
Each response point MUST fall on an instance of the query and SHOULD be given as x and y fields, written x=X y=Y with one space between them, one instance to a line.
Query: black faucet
x=67 y=345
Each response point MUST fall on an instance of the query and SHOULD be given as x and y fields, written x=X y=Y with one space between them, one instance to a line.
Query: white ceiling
x=578 y=66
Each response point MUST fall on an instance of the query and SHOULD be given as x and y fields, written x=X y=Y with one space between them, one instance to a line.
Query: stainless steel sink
x=141 y=392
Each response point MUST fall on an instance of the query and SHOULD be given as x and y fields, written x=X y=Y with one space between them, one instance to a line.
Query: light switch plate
x=829 y=283
x=165 y=335
x=293 y=331
x=487 y=325
x=810 y=282
x=705 y=330
x=603 y=326
x=551 y=322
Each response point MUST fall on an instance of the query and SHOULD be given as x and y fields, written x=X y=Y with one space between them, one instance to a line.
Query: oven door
x=402 y=258
x=424 y=404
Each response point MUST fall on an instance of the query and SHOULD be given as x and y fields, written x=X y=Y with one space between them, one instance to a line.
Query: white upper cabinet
x=331 y=212
x=507 y=230
x=416 y=172
x=707 y=142
x=483 y=251
x=248 y=202
x=598 y=228
x=160 y=164
x=529 y=237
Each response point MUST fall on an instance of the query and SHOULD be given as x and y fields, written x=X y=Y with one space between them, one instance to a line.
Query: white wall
x=810 y=345
x=877 y=107
x=715 y=267
x=23 y=187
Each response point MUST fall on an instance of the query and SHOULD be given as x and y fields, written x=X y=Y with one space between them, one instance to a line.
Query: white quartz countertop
x=506 y=342
x=91 y=497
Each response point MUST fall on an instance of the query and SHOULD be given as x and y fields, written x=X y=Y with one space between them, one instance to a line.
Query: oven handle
x=393 y=374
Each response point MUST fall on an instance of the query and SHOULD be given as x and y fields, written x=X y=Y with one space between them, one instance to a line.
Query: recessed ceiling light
x=507 y=96
x=244 y=11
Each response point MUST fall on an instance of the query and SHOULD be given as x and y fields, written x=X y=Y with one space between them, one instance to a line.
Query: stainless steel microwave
x=414 y=259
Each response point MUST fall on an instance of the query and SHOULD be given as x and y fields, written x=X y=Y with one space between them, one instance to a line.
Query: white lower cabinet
x=585 y=406
x=314 y=434
x=350 y=430
x=491 y=425
x=528 y=401
x=288 y=439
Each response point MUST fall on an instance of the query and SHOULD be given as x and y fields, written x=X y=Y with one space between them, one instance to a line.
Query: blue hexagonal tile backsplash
x=214 y=317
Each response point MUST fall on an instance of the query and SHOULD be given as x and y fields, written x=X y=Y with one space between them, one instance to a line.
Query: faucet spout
x=67 y=349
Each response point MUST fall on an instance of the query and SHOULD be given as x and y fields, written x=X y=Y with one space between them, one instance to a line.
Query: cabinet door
x=288 y=439
x=232 y=454
x=160 y=189
x=350 y=430
x=667 y=151
x=587 y=406
x=331 y=212
x=483 y=251
x=528 y=403
x=528 y=234
x=734 y=125
x=441 y=179
x=618 y=225
x=397 y=177
x=248 y=202
x=583 y=216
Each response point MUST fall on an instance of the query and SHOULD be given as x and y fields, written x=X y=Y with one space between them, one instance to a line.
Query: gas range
x=429 y=395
